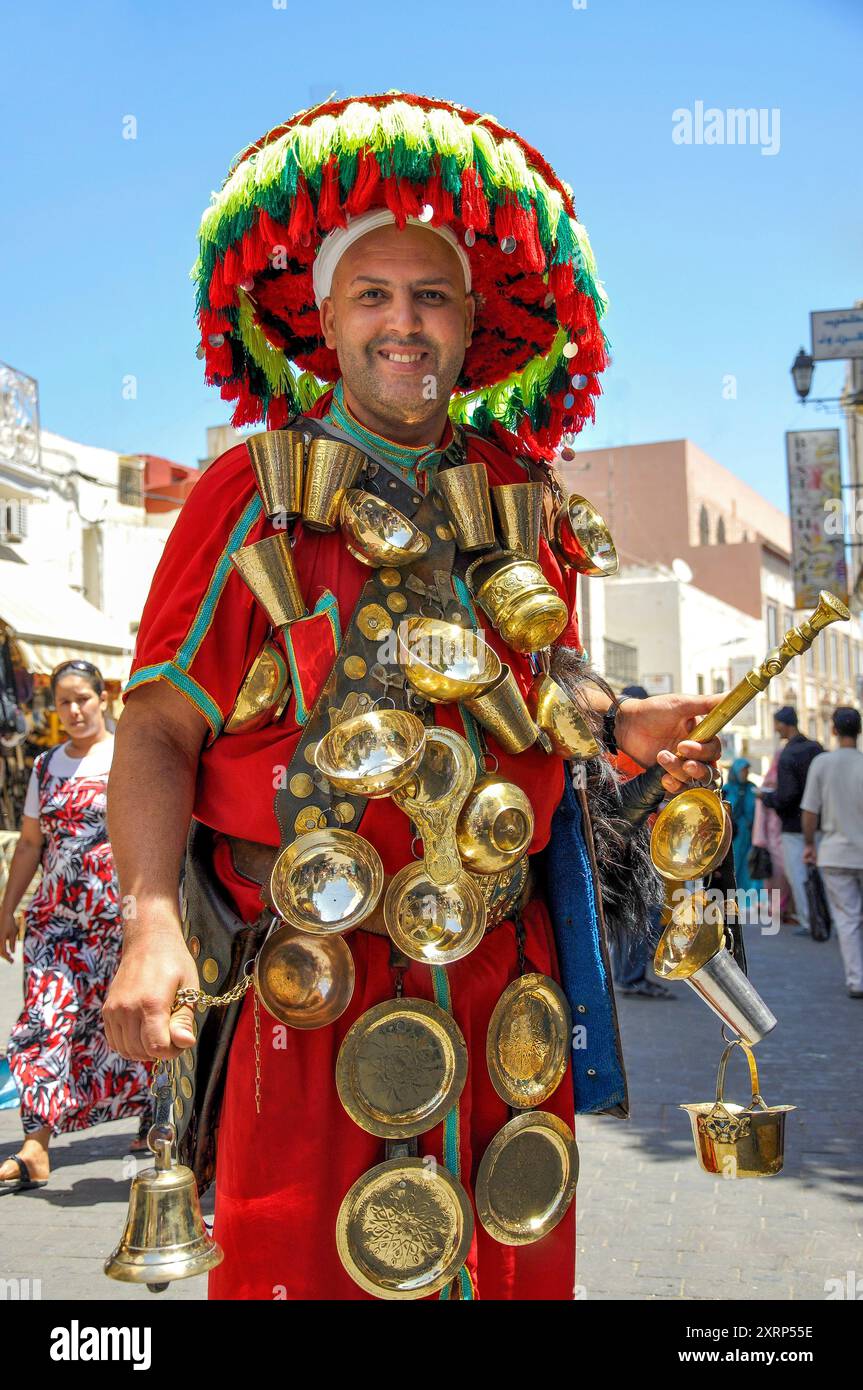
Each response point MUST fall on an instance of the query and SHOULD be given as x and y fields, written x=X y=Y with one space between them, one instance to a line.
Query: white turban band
x=336 y=243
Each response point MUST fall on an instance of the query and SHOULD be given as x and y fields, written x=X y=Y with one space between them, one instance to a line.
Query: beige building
x=704 y=589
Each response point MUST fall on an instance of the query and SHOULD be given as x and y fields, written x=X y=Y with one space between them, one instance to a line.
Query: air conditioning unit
x=130 y=482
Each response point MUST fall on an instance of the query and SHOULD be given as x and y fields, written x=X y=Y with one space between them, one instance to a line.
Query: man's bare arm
x=151 y=793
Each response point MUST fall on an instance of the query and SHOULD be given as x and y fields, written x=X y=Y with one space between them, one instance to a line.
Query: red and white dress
x=67 y=1076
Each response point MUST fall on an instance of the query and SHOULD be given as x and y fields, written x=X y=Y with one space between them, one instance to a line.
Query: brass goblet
x=582 y=540
x=445 y=662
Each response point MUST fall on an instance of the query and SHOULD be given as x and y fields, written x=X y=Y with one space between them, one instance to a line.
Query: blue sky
x=712 y=255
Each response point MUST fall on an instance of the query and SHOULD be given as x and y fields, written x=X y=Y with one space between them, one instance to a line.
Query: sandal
x=24 y=1181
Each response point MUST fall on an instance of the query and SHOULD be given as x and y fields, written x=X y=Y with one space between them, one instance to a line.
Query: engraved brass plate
x=374 y=621
x=404 y=1229
x=301 y=784
x=397 y=603
x=390 y=578
x=355 y=668
x=344 y=812
x=401 y=1068
x=528 y=1041
x=526 y=1179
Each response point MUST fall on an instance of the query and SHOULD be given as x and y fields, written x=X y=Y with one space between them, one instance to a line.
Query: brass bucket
x=736 y=1141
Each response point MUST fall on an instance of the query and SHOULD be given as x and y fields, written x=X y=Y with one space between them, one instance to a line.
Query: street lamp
x=801 y=370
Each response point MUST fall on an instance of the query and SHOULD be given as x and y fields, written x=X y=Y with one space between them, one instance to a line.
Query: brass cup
x=378 y=534
x=466 y=496
x=502 y=710
x=582 y=540
x=433 y=923
x=518 y=599
x=557 y=714
x=327 y=881
x=519 y=514
x=278 y=463
x=445 y=662
x=372 y=754
x=495 y=827
x=332 y=468
x=262 y=692
x=267 y=567
x=304 y=981
x=691 y=835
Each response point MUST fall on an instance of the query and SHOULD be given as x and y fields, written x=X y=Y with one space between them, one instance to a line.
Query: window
x=130 y=481
x=720 y=532
x=772 y=625
x=621 y=662
x=703 y=526
x=700 y=684
x=13 y=521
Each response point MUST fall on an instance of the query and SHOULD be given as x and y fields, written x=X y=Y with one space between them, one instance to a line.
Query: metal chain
x=257 y=1013
x=197 y=999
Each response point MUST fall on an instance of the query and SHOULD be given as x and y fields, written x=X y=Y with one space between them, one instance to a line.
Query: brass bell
x=164 y=1237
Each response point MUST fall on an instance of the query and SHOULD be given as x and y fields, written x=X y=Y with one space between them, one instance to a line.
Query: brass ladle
x=687 y=837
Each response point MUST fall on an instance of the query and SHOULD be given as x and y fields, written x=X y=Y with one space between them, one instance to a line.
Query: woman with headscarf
x=66 y=1075
x=740 y=795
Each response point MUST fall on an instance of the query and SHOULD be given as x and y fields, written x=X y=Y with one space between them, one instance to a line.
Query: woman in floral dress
x=67 y=1076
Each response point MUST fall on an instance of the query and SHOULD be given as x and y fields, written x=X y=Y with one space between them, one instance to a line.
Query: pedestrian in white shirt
x=834 y=791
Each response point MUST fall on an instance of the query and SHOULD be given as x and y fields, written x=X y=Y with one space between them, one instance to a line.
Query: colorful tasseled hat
x=537 y=348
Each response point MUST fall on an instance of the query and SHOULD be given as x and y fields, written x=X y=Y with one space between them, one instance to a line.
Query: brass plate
x=186 y=1087
x=301 y=784
x=526 y=1179
x=355 y=668
x=210 y=971
x=327 y=881
x=344 y=812
x=397 y=603
x=389 y=578
x=374 y=621
x=401 y=1068
x=404 y=1229
x=528 y=1041
x=309 y=753
x=304 y=981
x=432 y=923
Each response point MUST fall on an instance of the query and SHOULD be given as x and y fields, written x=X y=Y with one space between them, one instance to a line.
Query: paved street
x=651 y=1223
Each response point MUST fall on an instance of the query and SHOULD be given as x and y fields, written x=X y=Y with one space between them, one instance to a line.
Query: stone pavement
x=651 y=1223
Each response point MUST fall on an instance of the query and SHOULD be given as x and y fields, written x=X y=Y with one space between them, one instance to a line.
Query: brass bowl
x=265 y=688
x=690 y=835
x=327 y=881
x=401 y=1068
x=433 y=923
x=557 y=714
x=529 y=1040
x=377 y=534
x=404 y=1229
x=495 y=827
x=445 y=662
x=583 y=541
x=526 y=1178
x=304 y=981
x=372 y=754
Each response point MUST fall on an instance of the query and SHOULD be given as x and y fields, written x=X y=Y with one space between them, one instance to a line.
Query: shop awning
x=52 y=623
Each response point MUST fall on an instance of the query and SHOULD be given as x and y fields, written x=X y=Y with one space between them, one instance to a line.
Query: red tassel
x=365 y=184
x=330 y=211
x=248 y=409
x=440 y=199
x=233 y=267
x=220 y=294
x=474 y=204
x=278 y=413
x=273 y=234
x=402 y=200
x=253 y=251
x=302 y=222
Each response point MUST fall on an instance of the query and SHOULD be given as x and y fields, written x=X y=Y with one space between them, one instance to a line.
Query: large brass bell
x=164 y=1238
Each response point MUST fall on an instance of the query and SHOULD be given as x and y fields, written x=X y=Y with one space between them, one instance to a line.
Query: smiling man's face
x=400 y=321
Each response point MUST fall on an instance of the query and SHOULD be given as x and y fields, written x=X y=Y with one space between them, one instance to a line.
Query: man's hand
x=810 y=855
x=137 y=1011
x=655 y=731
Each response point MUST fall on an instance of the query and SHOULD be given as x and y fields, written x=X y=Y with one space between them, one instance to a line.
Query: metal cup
x=467 y=499
x=278 y=463
x=502 y=710
x=519 y=513
x=267 y=567
x=332 y=468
